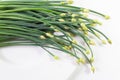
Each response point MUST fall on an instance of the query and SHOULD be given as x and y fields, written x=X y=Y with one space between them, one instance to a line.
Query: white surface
x=32 y=63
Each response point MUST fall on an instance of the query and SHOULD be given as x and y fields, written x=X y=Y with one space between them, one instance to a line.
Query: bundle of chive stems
x=36 y=22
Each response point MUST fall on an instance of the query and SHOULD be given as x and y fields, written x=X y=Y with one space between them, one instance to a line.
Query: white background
x=32 y=63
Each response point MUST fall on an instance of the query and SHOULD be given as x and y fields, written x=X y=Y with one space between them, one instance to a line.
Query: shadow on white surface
x=81 y=72
x=75 y=73
x=3 y=58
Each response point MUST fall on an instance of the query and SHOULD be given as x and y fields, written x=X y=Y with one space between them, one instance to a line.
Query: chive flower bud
x=56 y=30
x=92 y=69
x=97 y=34
x=103 y=41
x=52 y=27
x=84 y=26
x=92 y=59
x=62 y=2
x=81 y=20
x=106 y=17
x=91 y=42
x=66 y=48
x=86 y=10
x=68 y=34
x=42 y=37
x=70 y=1
x=86 y=33
x=109 y=41
x=79 y=29
x=61 y=20
x=70 y=47
x=56 y=57
x=73 y=20
x=93 y=24
x=85 y=15
x=74 y=15
x=98 y=22
x=87 y=51
x=74 y=41
x=66 y=27
x=63 y=14
x=81 y=60
x=49 y=35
